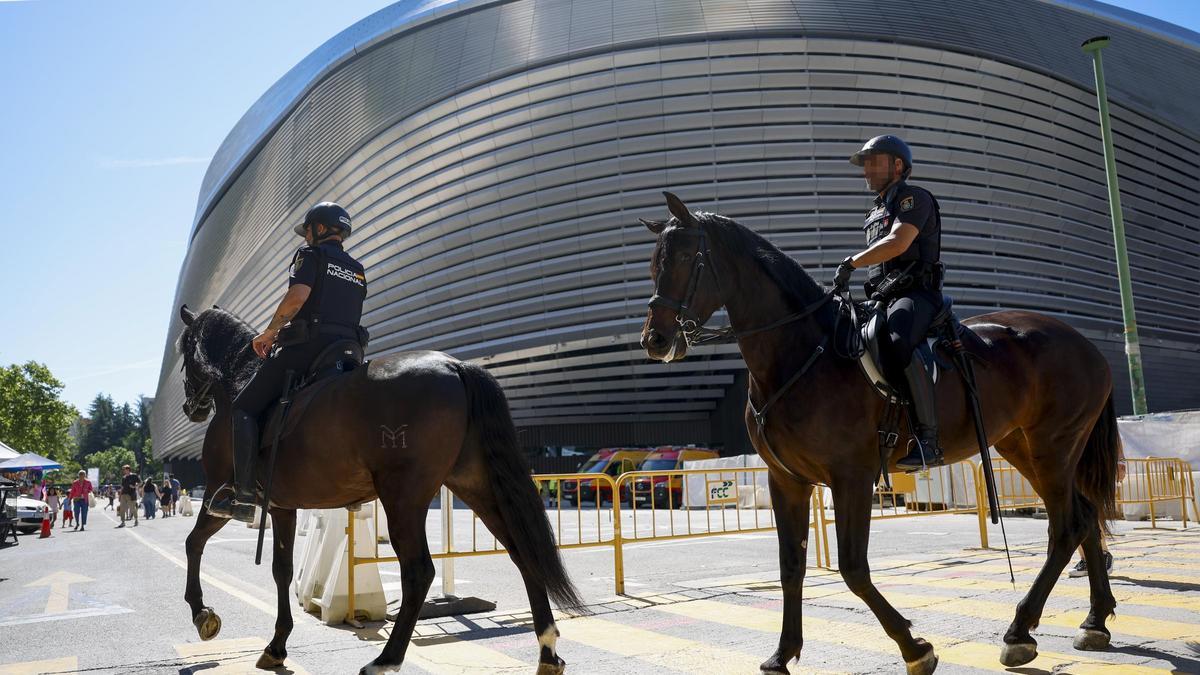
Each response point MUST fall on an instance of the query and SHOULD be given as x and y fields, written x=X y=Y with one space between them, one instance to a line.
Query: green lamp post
x=1132 y=347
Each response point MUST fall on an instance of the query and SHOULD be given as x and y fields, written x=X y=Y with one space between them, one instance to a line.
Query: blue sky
x=112 y=112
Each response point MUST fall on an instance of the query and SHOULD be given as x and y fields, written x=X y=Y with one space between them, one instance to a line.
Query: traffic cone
x=45 y=525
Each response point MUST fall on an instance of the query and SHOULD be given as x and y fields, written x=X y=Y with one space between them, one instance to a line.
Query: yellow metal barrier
x=690 y=503
x=948 y=489
x=1154 y=480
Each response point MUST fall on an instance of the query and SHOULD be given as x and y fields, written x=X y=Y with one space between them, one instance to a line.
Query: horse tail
x=519 y=503
x=1096 y=477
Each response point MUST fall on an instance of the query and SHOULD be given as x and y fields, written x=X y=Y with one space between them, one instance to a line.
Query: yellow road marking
x=59 y=665
x=656 y=648
x=231 y=657
x=1158 y=629
x=1001 y=568
x=870 y=637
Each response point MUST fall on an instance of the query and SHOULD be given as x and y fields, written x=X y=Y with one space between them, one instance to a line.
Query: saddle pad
x=300 y=401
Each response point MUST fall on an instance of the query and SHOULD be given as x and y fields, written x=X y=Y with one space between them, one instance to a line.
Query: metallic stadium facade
x=497 y=154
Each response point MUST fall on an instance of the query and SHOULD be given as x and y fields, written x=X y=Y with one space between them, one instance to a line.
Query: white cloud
x=150 y=163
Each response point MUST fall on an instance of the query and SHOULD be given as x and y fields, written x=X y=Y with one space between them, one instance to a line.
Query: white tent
x=7 y=452
x=1169 y=434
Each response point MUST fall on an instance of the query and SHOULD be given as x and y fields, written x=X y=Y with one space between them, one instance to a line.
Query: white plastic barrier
x=324 y=586
x=185 y=506
x=695 y=492
x=1163 y=509
x=315 y=561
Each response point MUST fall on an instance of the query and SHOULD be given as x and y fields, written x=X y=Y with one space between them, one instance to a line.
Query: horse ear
x=187 y=315
x=655 y=226
x=678 y=209
x=215 y=307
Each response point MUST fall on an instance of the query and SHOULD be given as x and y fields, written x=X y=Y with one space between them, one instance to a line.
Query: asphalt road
x=110 y=601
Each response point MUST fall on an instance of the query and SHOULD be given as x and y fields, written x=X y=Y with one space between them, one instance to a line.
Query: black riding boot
x=238 y=501
x=924 y=450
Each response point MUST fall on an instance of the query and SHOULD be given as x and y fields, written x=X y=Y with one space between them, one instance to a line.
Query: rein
x=695 y=333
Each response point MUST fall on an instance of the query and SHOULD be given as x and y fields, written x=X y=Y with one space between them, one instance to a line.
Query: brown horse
x=459 y=433
x=1046 y=390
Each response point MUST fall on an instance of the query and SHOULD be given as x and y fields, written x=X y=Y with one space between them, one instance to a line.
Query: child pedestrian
x=53 y=501
x=66 y=509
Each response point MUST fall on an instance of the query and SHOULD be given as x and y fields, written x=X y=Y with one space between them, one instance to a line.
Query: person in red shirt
x=80 y=489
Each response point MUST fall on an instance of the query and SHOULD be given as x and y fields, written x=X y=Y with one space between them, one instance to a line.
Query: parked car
x=30 y=513
x=666 y=490
x=611 y=461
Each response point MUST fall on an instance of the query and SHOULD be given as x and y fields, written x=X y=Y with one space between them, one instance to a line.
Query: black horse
x=1047 y=389
x=459 y=433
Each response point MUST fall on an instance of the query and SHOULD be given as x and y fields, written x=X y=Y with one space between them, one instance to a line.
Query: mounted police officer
x=323 y=304
x=903 y=253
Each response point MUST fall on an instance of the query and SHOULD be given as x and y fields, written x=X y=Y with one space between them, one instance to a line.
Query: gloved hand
x=841 y=278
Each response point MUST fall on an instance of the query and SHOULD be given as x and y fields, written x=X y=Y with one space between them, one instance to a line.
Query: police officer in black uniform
x=323 y=304
x=903 y=253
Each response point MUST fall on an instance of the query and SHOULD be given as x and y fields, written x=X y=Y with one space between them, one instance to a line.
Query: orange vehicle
x=611 y=461
x=666 y=490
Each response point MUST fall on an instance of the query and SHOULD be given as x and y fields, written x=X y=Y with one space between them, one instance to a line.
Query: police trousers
x=266 y=386
x=909 y=314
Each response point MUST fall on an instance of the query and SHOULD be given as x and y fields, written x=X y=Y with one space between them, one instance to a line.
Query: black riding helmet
x=328 y=214
x=887 y=144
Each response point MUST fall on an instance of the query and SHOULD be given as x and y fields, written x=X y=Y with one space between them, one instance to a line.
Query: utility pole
x=1133 y=348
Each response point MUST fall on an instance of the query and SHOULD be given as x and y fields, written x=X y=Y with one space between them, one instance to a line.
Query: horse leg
x=406 y=525
x=205 y=619
x=283 y=524
x=1093 y=635
x=852 y=500
x=483 y=503
x=790 y=501
x=1071 y=517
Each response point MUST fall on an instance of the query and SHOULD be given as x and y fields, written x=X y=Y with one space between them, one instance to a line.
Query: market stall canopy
x=29 y=461
x=7 y=453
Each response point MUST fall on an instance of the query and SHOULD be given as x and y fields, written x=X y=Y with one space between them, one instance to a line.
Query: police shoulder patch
x=907 y=204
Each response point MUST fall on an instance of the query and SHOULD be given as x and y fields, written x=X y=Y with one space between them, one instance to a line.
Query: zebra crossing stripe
x=64 y=664
x=870 y=637
x=659 y=649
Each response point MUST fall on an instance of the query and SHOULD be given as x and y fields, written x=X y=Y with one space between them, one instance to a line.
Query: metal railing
x=651 y=506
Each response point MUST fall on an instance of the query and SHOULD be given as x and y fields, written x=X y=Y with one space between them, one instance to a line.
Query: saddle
x=335 y=361
x=934 y=352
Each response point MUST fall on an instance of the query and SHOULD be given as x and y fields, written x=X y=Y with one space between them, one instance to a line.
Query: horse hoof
x=267 y=661
x=1090 y=640
x=374 y=669
x=924 y=665
x=1018 y=654
x=551 y=668
x=207 y=623
x=773 y=668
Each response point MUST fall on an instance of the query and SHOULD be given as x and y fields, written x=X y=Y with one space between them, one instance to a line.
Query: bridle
x=695 y=333
x=195 y=400
x=690 y=326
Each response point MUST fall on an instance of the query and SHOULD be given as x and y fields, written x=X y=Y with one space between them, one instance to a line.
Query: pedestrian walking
x=111 y=493
x=150 y=498
x=128 y=497
x=168 y=498
x=68 y=515
x=53 y=500
x=1080 y=569
x=176 y=490
x=80 y=490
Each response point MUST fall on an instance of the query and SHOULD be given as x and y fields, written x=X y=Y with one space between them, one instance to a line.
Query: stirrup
x=220 y=504
x=916 y=459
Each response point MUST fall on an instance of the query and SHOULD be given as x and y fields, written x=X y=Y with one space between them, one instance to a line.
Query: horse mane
x=798 y=287
x=220 y=346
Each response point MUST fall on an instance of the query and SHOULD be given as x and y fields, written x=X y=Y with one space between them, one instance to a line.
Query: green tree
x=33 y=417
x=101 y=432
x=110 y=462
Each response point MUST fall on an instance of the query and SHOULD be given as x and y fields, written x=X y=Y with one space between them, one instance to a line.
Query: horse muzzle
x=662 y=348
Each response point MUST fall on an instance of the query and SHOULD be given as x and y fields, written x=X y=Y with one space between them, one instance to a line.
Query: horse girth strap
x=760 y=416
